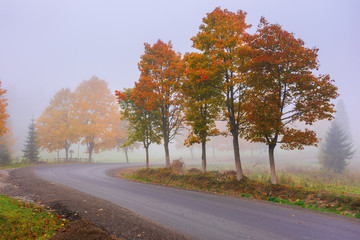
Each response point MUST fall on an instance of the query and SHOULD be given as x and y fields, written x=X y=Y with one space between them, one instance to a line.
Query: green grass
x=17 y=165
x=20 y=220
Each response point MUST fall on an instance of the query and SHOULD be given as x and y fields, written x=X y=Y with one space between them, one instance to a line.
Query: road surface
x=201 y=215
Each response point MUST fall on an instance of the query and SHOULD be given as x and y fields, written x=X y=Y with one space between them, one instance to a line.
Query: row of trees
x=260 y=84
x=89 y=115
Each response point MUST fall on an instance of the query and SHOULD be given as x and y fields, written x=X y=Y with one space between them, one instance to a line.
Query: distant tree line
x=260 y=84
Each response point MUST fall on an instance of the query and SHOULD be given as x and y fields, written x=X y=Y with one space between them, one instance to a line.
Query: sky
x=46 y=45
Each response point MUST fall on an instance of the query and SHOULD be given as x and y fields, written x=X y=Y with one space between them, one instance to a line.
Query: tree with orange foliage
x=161 y=71
x=94 y=107
x=221 y=38
x=284 y=90
x=3 y=115
x=56 y=127
x=143 y=122
x=202 y=100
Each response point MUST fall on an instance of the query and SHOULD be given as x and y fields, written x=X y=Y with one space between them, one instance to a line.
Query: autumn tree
x=284 y=90
x=31 y=147
x=221 y=39
x=161 y=70
x=56 y=127
x=3 y=115
x=202 y=100
x=336 y=149
x=93 y=107
x=143 y=125
x=122 y=141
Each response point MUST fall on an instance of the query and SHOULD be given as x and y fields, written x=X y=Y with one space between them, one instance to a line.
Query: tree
x=202 y=100
x=284 y=90
x=56 y=126
x=341 y=117
x=93 y=107
x=221 y=38
x=161 y=70
x=122 y=140
x=31 y=147
x=3 y=115
x=7 y=142
x=336 y=149
x=143 y=123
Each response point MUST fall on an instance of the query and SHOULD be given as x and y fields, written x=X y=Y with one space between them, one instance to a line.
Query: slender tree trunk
x=272 y=163
x=147 y=157
x=239 y=171
x=66 y=154
x=167 y=155
x=203 y=156
x=191 y=152
x=90 y=154
x=126 y=155
x=213 y=151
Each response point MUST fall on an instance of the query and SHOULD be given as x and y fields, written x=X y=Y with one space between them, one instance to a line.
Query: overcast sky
x=48 y=45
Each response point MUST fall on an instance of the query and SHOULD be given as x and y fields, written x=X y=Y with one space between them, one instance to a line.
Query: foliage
x=283 y=90
x=20 y=220
x=31 y=147
x=56 y=126
x=3 y=115
x=202 y=100
x=336 y=149
x=161 y=70
x=142 y=122
x=94 y=109
x=5 y=157
x=221 y=39
x=7 y=142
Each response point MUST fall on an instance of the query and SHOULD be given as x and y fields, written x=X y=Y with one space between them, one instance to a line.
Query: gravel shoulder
x=82 y=208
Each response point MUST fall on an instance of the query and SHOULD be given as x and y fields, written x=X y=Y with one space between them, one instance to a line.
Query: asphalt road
x=201 y=215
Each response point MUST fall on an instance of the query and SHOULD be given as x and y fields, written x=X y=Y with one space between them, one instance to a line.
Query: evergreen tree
x=31 y=151
x=5 y=157
x=336 y=149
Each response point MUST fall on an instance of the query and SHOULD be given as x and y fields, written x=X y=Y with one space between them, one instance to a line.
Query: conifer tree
x=31 y=147
x=336 y=149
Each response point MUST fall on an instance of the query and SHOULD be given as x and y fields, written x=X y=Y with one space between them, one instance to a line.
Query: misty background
x=48 y=45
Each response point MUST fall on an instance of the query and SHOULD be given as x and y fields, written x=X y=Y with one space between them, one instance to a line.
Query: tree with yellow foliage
x=56 y=126
x=94 y=109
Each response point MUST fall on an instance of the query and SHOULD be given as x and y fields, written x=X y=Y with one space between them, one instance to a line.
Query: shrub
x=177 y=164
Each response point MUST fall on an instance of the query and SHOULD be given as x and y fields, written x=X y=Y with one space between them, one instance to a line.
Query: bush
x=177 y=165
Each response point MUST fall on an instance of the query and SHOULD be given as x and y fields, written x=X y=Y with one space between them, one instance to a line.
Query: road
x=201 y=215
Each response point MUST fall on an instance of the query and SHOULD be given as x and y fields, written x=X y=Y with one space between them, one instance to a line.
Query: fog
x=49 y=45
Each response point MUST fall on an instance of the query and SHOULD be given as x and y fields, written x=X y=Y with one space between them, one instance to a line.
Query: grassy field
x=20 y=220
x=305 y=175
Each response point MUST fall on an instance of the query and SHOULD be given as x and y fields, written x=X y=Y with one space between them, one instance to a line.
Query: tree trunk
x=126 y=154
x=66 y=154
x=147 y=157
x=239 y=172
x=213 y=151
x=90 y=154
x=167 y=155
x=272 y=163
x=203 y=156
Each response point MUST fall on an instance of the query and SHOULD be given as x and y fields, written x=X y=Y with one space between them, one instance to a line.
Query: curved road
x=200 y=215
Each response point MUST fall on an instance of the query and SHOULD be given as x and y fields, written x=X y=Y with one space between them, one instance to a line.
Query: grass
x=20 y=220
x=312 y=178
x=226 y=183
x=17 y=165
